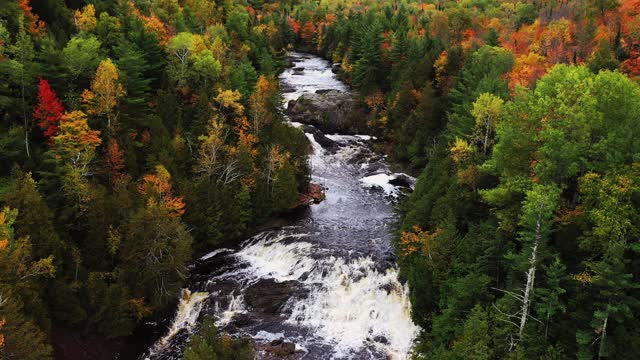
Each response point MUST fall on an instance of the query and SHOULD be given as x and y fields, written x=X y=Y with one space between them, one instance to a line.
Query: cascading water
x=328 y=282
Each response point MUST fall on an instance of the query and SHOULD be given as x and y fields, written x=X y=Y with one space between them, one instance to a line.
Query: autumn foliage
x=106 y=91
x=48 y=111
x=85 y=19
x=157 y=188
x=76 y=142
x=152 y=23
x=294 y=24
x=308 y=31
x=418 y=241
x=527 y=69
x=35 y=26
x=114 y=161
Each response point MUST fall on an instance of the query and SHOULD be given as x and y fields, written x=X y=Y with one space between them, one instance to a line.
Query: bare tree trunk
x=24 y=114
x=486 y=136
x=531 y=273
x=604 y=335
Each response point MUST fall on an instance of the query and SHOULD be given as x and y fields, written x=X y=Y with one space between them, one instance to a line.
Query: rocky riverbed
x=326 y=285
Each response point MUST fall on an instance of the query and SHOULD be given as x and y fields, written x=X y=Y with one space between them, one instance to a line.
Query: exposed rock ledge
x=330 y=111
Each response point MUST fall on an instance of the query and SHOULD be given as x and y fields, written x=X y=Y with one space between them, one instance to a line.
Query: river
x=328 y=281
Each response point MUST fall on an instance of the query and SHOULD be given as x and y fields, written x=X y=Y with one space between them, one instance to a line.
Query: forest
x=133 y=136
x=521 y=238
x=138 y=134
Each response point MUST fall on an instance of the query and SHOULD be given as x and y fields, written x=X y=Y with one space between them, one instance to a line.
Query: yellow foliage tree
x=76 y=143
x=105 y=92
x=85 y=19
x=260 y=112
x=230 y=99
x=211 y=148
x=486 y=110
x=461 y=151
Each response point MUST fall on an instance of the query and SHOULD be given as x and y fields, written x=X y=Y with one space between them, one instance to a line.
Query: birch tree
x=486 y=111
x=536 y=220
x=106 y=92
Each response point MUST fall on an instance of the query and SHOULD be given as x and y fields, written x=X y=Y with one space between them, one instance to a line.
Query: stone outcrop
x=268 y=296
x=330 y=111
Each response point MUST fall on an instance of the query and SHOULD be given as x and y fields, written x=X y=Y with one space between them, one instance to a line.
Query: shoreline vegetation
x=520 y=239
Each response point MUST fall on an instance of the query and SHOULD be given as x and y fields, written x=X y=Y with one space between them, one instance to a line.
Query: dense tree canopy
x=520 y=239
x=133 y=135
x=137 y=134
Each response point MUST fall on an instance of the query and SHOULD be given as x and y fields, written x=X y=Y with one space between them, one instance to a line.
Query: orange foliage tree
x=418 y=241
x=156 y=187
x=36 y=26
x=308 y=31
x=294 y=24
x=246 y=151
x=261 y=114
x=114 y=161
x=527 y=69
x=152 y=23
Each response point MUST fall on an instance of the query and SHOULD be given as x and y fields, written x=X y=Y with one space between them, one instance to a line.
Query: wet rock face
x=330 y=111
x=322 y=139
x=242 y=320
x=403 y=180
x=278 y=349
x=268 y=296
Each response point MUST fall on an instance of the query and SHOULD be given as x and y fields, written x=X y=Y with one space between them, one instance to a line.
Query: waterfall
x=186 y=316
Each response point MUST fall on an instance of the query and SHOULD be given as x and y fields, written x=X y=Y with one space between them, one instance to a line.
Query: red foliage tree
x=114 y=161
x=48 y=111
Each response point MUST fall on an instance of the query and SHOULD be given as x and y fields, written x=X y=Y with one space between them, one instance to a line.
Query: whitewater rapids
x=343 y=298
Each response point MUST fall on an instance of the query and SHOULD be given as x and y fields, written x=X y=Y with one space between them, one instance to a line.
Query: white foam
x=353 y=307
x=268 y=336
x=349 y=302
x=317 y=76
x=236 y=306
x=214 y=253
x=381 y=181
x=278 y=261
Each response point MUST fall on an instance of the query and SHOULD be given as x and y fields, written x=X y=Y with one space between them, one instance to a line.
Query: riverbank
x=325 y=282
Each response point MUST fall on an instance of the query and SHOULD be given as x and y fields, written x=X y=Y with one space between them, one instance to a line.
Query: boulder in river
x=332 y=112
x=315 y=195
x=285 y=89
x=278 y=349
x=268 y=296
x=403 y=180
x=241 y=320
x=381 y=339
x=322 y=139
